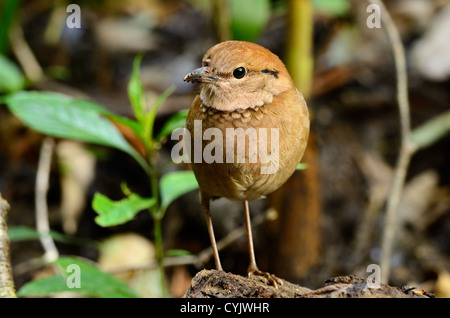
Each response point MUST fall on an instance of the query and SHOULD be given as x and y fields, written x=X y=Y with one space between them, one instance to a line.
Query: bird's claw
x=271 y=278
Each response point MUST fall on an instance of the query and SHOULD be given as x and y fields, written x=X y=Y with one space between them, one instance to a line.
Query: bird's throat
x=232 y=99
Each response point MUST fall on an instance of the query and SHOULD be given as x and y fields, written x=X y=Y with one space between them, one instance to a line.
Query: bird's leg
x=253 y=268
x=205 y=200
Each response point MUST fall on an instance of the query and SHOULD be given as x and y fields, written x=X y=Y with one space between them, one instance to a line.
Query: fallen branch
x=6 y=277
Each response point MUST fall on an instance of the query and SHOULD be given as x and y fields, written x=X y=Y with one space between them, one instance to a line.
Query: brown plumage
x=243 y=85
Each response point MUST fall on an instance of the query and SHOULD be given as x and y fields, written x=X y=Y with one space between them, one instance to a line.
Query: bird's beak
x=200 y=75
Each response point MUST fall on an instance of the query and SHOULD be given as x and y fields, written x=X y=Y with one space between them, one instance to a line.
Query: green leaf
x=92 y=282
x=136 y=94
x=178 y=120
x=132 y=124
x=337 y=8
x=301 y=166
x=61 y=116
x=136 y=91
x=112 y=213
x=175 y=184
x=44 y=287
x=176 y=252
x=249 y=18
x=11 y=79
x=24 y=233
x=431 y=131
x=150 y=117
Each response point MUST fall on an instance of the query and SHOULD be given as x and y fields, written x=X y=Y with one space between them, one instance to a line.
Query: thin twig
x=25 y=55
x=6 y=276
x=42 y=185
x=405 y=148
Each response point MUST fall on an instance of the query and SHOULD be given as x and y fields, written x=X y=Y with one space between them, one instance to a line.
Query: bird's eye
x=239 y=72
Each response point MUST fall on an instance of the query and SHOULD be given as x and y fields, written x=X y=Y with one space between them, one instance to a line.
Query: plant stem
x=222 y=19
x=159 y=252
x=157 y=229
x=299 y=57
x=152 y=172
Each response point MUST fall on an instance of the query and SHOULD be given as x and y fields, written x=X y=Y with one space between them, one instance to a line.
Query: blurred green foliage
x=61 y=116
x=11 y=79
x=8 y=11
x=248 y=18
x=336 y=8
x=93 y=282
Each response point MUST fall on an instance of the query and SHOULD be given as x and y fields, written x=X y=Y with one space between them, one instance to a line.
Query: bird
x=246 y=96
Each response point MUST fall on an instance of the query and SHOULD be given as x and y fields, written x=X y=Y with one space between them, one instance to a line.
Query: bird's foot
x=271 y=278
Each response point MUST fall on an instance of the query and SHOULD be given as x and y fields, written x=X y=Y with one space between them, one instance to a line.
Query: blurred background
x=326 y=221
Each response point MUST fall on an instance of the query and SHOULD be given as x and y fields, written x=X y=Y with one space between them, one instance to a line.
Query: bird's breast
x=247 y=153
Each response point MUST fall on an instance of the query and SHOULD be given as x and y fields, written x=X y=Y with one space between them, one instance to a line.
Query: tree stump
x=219 y=284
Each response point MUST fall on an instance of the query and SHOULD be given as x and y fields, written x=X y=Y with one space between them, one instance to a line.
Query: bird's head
x=240 y=75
